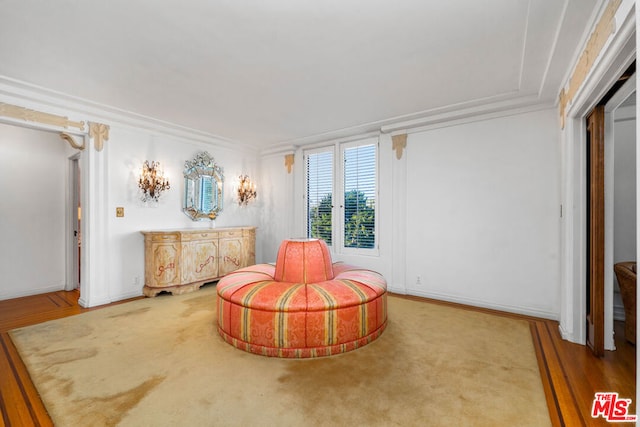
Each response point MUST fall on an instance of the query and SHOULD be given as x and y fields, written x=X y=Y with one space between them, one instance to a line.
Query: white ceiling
x=277 y=72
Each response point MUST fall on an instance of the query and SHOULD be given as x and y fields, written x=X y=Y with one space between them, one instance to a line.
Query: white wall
x=33 y=184
x=625 y=185
x=473 y=209
x=33 y=252
x=275 y=201
x=624 y=226
x=127 y=150
x=483 y=213
x=478 y=203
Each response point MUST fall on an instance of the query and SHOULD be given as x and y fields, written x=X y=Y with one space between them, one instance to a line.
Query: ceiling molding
x=430 y=117
x=488 y=111
x=278 y=150
x=496 y=109
x=16 y=91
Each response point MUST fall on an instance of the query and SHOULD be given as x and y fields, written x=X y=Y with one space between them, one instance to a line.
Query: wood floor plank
x=20 y=399
x=587 y=374
x=555 y=410
x=563 y=389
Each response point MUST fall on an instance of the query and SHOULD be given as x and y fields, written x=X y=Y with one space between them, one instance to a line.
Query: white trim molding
x=617 y=53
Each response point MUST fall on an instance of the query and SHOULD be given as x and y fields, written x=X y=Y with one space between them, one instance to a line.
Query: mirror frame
x=202 y=166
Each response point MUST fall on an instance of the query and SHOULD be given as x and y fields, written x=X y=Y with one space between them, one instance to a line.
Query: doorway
x=74 y=235
x=600 y=177
x=35 y=185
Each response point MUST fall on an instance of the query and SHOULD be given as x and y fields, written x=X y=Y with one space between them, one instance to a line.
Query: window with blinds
x=319 y=165
x=351 y=181
x=359 y=178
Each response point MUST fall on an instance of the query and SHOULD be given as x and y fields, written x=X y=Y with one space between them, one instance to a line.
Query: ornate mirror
x=203 y=188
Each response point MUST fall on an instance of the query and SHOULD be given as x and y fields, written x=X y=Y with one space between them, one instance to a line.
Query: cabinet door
x=203 y=260
x=164 y=265
x=248 y=247
x=230 y=254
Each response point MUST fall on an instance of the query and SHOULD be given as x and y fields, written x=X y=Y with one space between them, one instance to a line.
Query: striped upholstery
x=294 y=318
x=303 y=261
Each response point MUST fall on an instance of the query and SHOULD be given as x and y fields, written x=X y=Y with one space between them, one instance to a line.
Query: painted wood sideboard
x=180 y=261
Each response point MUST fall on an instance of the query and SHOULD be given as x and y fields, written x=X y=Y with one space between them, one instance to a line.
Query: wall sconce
x=246 y=190
x=152 y=181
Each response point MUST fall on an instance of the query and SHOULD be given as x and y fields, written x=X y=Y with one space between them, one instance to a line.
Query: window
x=319 y=167
x=359 y=196
x=353 y=181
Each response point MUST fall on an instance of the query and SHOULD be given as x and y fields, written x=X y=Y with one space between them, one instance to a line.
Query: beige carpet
x=160 y=362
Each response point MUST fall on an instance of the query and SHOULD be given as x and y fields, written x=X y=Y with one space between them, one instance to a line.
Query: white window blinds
x=319 y=167
x=360 y=192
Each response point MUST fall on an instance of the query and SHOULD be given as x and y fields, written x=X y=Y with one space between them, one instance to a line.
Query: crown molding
x=501 y=105
x=42 y=99
x=279 y=149
x=469 y=115
x=36 y=97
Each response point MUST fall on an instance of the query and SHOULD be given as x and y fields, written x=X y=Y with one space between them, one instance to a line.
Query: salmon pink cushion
x=303 y=261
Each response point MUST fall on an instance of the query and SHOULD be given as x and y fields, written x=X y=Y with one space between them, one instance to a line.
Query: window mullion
x=339 y=197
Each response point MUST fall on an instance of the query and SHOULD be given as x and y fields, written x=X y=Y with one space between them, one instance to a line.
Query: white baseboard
x=29 y=292
x=401 y=290
x=525 y=311
x=95 y=302
x=566 y=335
x=127 y=295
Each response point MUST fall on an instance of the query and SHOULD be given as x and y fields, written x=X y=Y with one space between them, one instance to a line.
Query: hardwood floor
x=20 y=404
x=570 y=373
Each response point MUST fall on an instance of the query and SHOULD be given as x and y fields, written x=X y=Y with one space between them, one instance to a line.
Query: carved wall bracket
x=21 y=113
x=399 y=143
x=288 y=161
x=72 y=142
x=100 y=133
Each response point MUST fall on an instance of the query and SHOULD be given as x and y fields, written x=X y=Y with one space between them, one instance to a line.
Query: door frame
x=595 y=192
x=615 y=59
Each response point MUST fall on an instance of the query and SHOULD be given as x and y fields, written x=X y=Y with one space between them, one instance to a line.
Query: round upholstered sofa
x=304 y=306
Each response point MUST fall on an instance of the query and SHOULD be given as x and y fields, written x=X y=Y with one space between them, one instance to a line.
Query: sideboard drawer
x=165 y=237
x=205 y=235
x=230 y=233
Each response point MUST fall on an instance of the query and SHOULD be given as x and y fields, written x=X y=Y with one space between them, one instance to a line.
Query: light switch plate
x=119 y=212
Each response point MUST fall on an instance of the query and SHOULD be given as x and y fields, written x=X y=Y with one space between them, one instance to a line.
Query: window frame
x=338 y=193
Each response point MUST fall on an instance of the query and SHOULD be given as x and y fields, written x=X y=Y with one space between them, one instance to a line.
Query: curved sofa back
x=303 y=261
